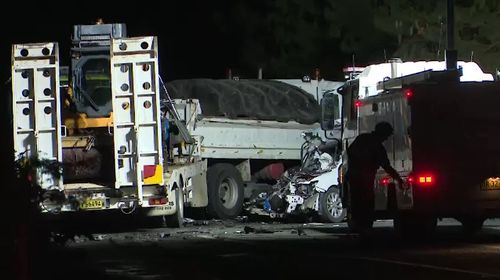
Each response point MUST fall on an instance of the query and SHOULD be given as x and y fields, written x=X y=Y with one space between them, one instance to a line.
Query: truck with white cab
x=444 y=147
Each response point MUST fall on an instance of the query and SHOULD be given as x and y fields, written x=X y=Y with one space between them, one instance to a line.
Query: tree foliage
x=30 y=193
x=288 y=38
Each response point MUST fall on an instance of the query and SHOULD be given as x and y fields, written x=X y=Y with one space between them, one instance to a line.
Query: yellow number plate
x=92 y=204
x=491 y=184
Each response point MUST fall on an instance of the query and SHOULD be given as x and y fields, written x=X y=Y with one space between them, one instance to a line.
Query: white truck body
x=248 y=146
x=251 y=139
x=251 y=145
x=245 y=139
x=376 y=73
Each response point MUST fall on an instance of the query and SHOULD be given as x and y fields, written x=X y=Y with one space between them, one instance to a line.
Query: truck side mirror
x=329 y=111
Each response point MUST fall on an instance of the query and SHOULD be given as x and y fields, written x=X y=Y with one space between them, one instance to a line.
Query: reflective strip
x=153 y=174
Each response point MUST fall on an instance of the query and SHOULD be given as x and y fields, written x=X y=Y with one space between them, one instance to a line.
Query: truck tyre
x=225 y=191
x=177 y=220
x=330 y=206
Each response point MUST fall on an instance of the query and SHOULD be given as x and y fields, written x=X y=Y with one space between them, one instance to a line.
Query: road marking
x=428 y=266
x=233 y=255
x=495 y=248
x=491 y=248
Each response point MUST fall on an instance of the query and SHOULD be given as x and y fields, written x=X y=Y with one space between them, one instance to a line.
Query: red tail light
x=384 y=181
x=358 y=103
x=408 y=93
x=410 y=180
x=158 y=201
x=423 y=180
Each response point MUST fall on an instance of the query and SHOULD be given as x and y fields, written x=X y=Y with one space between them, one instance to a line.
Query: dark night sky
x=196 y=38
x=287 y=38
x=190 y=45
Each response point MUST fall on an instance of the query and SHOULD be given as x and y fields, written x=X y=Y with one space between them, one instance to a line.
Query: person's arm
x=386 y=165
x=392 y=172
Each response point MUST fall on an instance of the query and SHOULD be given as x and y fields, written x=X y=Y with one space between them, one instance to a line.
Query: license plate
x=92 y=204
x=491 y=184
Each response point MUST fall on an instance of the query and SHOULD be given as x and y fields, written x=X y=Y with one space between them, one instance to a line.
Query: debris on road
x=248 y=229
x=164 y=235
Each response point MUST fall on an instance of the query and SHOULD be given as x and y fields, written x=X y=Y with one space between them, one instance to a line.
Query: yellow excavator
x=87 y=113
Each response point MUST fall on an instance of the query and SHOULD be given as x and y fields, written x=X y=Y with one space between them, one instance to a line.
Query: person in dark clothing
x=365 y=155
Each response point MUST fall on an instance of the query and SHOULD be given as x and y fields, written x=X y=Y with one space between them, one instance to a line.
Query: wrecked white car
x=310 y=190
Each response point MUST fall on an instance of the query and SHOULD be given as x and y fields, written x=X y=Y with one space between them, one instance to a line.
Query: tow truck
x=106 y=127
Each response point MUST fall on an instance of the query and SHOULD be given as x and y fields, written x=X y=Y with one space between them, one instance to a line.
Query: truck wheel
x=330 y=206
x=177 y=220
x=225 y=191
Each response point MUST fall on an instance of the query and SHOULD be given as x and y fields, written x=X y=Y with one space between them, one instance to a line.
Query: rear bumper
x=106 y=200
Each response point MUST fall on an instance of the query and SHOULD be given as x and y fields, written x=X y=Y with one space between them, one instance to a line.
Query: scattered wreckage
x=306 y=191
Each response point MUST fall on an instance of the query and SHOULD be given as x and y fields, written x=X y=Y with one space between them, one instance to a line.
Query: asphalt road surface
x=238 y=250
